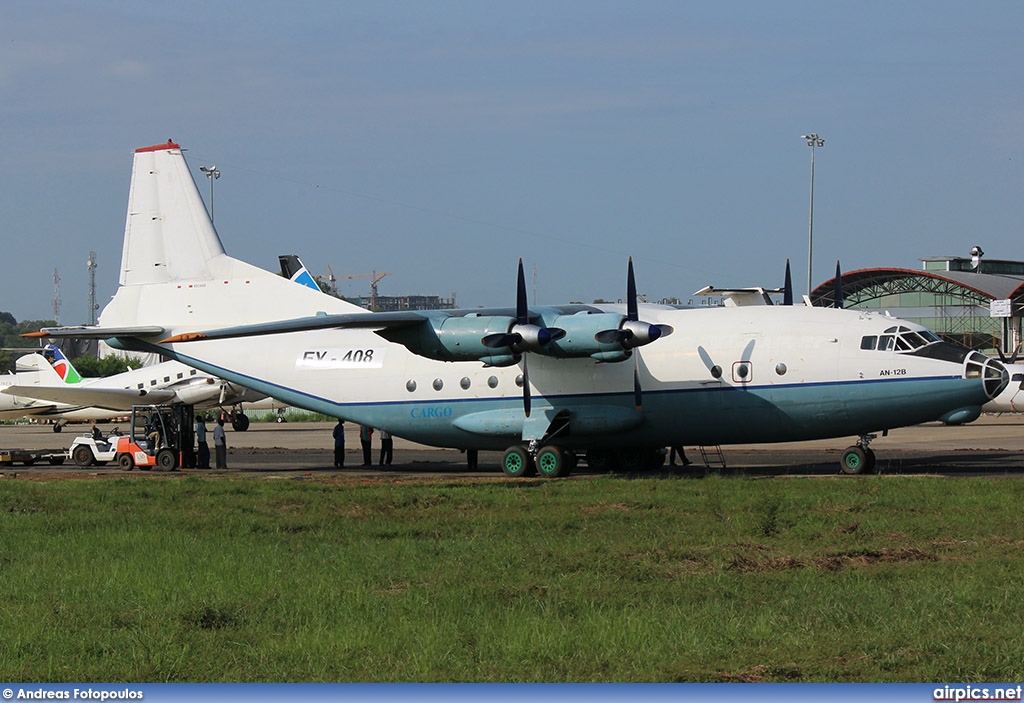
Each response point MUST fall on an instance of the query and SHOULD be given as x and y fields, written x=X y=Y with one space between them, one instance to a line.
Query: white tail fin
x=174 y=271
x=167 y=236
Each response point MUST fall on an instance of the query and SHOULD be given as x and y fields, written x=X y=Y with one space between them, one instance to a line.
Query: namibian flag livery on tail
x=61 y=365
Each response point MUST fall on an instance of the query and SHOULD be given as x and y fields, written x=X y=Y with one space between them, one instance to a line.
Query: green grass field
x=609 y=579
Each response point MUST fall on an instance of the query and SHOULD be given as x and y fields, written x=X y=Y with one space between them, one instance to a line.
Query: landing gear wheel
x=552 y=462
x=125 y=462
x=856 y=460
x=83 y=456
x=240 y=422
x=166 y=460
x=635 y=459
x=600 y=459
x=517 y=462
x=871 y=460
x=58 y=428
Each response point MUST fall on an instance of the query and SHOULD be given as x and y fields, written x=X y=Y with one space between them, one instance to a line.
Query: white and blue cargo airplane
x=618 y=382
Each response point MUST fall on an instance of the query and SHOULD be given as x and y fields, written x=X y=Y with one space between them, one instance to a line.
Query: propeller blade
x=787 y=294
x=500 y=340
x=613 y=336
x=522 y=309
x=526 y=388
x=837 y=297
x=631 y=311
x=1012 y=359
x=637 y=393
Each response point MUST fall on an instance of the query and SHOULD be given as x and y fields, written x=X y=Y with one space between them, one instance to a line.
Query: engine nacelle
x=456 y=338
x=580 y=332
x=199 y=390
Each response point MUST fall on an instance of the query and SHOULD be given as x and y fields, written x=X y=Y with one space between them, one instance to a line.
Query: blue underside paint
x=695 y=416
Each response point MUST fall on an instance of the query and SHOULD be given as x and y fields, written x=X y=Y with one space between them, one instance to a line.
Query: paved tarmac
x=992 y=445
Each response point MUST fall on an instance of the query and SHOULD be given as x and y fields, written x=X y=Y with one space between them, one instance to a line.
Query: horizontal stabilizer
x=88 y=332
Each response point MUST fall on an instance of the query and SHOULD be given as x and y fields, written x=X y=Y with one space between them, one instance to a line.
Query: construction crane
x=331 y=281
x=374 y=277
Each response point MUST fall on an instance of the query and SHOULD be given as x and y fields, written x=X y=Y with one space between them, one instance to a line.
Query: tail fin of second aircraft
x=174 y=270
x=61 y=364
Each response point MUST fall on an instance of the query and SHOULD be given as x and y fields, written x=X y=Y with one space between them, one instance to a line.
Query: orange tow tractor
x=161 y=436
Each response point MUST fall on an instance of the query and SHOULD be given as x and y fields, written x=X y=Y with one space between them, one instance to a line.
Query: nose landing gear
x=859 y=459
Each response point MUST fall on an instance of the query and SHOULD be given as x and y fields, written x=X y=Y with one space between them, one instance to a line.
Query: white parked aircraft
x=619 y=382
x=48 y=386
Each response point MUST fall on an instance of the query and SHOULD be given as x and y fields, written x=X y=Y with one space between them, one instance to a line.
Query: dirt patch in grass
x=742 y=563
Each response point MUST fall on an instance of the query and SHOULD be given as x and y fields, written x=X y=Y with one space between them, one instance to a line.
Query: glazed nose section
x=992 y=372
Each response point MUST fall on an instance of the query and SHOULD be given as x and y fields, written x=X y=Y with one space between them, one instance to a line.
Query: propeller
x=523 y=336
x=837 y=296
x=787 y=288
x=633 y=332
x=1012 y=359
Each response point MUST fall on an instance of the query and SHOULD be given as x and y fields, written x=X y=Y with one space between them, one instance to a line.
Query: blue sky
x=441 y=141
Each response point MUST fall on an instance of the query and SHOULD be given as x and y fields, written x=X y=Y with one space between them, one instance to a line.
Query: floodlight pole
x=813 y=141
x=213 y=173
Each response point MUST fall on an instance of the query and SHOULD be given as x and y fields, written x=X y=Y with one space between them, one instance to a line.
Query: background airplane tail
x=61 y=364
x=174 y=270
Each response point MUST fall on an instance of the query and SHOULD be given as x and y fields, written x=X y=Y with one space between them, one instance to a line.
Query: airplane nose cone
x=992 y=372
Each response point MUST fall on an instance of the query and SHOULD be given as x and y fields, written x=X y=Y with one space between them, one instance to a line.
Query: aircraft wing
x=389 y=320
x=105 y=398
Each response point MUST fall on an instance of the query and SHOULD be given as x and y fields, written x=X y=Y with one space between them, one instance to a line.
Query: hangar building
x=975 y=301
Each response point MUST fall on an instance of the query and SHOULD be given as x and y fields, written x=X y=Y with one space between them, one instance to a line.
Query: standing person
x=365 y=439
x=220 y=444
x=339 y=444
x=203 y=460
x=678 y=449
x=387 y=447
x=471 y=459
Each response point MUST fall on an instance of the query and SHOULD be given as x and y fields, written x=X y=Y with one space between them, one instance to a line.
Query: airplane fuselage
x=723 y=377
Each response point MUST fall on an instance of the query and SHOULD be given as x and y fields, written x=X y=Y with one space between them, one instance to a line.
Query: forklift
x=160 y=435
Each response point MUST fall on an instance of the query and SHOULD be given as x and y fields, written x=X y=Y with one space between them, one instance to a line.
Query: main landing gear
x=859 y=459
x=550 y=461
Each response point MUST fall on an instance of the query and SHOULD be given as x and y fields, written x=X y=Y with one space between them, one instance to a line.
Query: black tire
x=517 y=462
x=871 y=460
x=83 y=455
x=125 y=462
x=634 y=459
x=854 y=461
x=240 y=423
x=58 y=428
x=166 y=460
x=552 y=462
x=600 y=459
x=56 y=460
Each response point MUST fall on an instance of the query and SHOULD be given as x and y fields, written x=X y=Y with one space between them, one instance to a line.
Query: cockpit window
x=900 y=339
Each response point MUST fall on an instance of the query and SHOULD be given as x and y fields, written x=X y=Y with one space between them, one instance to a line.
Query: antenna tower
x=56 y=297
x=91 y=265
